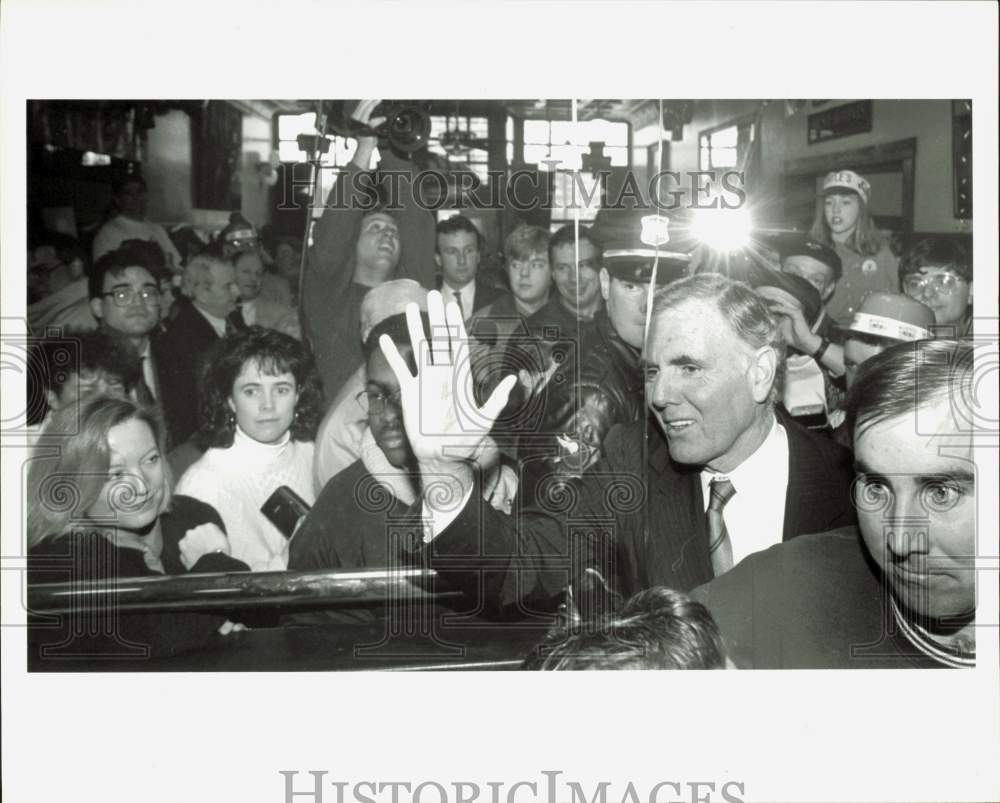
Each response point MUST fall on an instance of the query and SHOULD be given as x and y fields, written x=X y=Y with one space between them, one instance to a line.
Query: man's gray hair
x=746 y=312
x=197 y=272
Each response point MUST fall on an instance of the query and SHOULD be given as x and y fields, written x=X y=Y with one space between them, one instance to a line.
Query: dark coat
x=85 y=556
x=817 y=602
x=330 y=298
x=601 y=521
x=182 y=351
x=486 y=294
x=605 y=389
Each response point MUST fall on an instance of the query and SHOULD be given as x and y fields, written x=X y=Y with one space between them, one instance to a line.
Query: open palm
x=443 y=422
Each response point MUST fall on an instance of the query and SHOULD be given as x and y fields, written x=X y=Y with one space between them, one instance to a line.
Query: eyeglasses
x=377 y=401
x=123 y=296
x=939 y=283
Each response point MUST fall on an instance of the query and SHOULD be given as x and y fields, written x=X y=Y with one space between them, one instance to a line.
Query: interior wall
x=784 y=138
x=167 y=169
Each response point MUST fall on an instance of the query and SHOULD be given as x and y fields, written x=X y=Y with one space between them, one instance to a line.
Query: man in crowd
x=355 y=247
x=938 y=272
x=210 y=288
x=457 y=257
x=359 y=513
x=77 y=367
x=575 y=274
x=132 y=199
x=883 y=320
x=899 y=589
x=125 y=296
x=727 y=476
x=607 y=387
x=819 y=265
x=526 y=259
x=57 y=287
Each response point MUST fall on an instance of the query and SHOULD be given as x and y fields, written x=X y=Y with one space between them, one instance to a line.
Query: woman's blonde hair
x=865 y=239
x=63 y=487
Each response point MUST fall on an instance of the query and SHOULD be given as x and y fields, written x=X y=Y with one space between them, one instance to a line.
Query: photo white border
x=888 y=735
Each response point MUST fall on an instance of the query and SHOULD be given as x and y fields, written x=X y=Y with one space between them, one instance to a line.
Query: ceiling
x=638 y=112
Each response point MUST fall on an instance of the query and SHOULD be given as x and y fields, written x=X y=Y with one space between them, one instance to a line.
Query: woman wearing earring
x=844 y=221
x=260 y=403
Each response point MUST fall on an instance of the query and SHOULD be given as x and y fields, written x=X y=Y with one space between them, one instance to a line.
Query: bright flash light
x=722 y=229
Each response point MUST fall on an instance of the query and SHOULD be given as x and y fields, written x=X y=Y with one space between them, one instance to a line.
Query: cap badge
x=655 y=230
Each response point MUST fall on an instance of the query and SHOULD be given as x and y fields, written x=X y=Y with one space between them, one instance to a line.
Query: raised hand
x=444 y=424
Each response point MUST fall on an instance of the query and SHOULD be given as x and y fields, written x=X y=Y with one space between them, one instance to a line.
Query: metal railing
x=335 y=587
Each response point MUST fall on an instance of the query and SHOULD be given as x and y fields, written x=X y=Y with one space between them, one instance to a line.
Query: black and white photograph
x=340 y=401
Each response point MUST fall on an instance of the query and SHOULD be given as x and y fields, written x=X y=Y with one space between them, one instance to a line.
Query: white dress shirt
x=755 y=516
x=468 y=294
x=148 y=372
x=218 y=324
x=248 y=309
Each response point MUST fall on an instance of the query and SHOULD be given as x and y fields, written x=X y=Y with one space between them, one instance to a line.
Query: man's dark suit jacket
x=182 y=349
x=526 y=559
x=486 y=294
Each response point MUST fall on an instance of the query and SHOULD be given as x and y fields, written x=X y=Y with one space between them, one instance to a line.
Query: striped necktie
x=458 y=300
x=720 y=548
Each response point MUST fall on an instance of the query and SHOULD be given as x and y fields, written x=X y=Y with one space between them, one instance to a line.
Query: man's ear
x=763 y=372
x=97 y=308
x=437 y=259
x=605 y=278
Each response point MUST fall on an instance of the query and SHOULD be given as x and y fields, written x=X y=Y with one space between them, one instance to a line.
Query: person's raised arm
x=447 y=430
x=336 y=231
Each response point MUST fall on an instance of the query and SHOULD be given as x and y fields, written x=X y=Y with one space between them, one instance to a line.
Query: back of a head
x=656 y=629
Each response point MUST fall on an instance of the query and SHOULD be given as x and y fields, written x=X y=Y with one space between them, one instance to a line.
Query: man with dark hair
x=457 y=257
x=77 y=367
x=711 y=365
x=937 y=271
x=899 y=589
x=575 y=266
x=656 y=629
x=132 y=199
x=57 y=287
x=605 y=389
x=356 y=247
x=125 y=296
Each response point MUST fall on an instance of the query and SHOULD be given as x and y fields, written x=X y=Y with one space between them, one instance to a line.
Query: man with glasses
x=125 y=298
x=937 y=271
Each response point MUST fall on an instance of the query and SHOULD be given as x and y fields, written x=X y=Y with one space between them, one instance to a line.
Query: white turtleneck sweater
x=238 y=480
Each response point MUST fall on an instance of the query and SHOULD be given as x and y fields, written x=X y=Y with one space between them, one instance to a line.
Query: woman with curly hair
x=844 y=222
x=259 y=408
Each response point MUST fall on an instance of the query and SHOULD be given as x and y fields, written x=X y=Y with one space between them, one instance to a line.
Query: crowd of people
x=749 y=458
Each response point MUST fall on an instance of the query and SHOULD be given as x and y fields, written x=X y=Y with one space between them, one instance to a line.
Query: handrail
x=236 y=589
